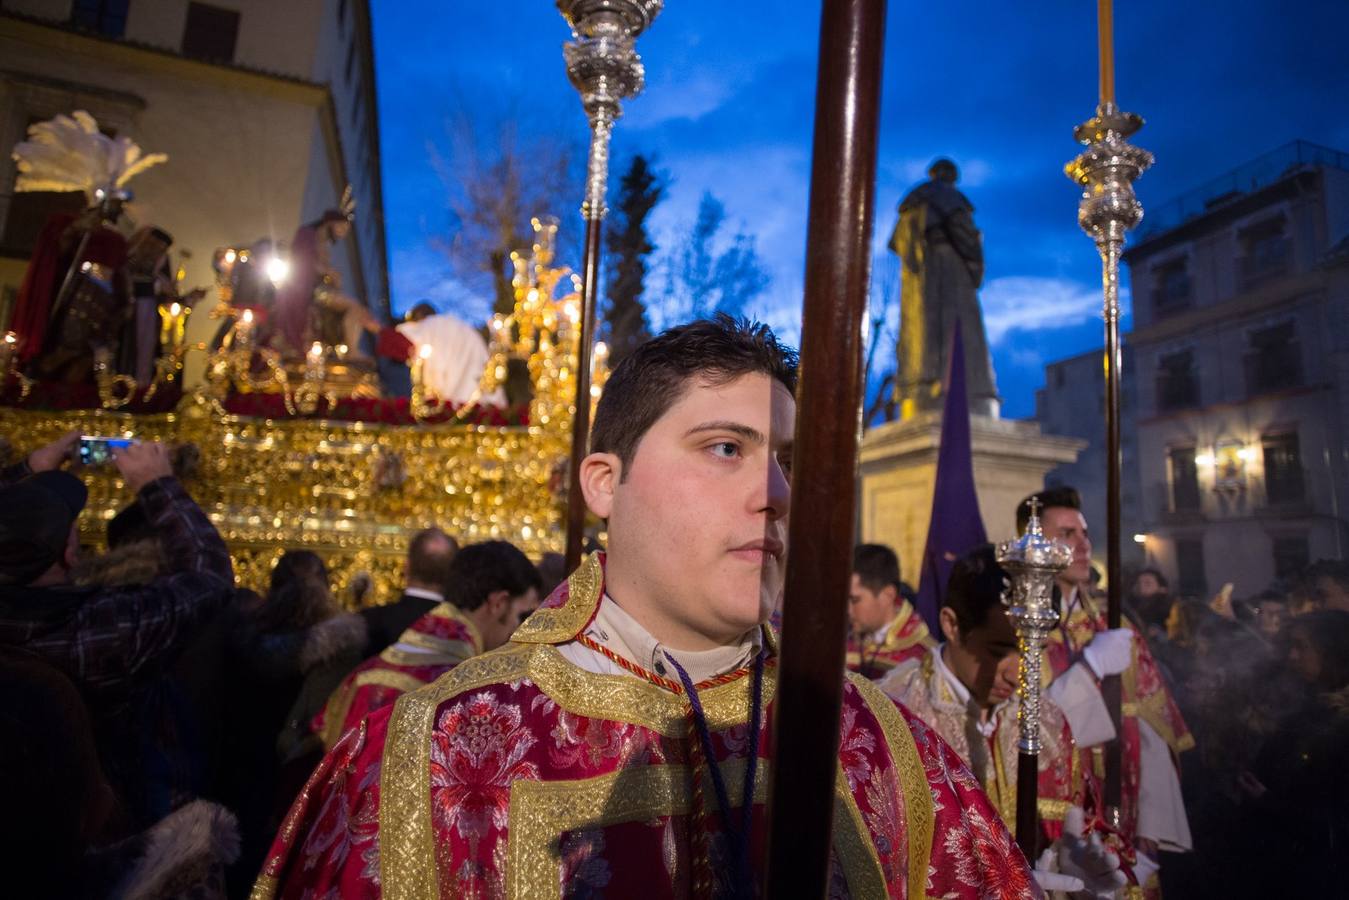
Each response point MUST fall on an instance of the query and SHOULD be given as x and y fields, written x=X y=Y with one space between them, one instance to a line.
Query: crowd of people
x=167 y=733
x=158 y=721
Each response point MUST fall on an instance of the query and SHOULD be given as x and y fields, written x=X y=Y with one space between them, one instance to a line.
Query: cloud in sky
x=1030 y=303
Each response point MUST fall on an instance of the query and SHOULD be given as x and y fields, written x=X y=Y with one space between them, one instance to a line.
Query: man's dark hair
x=422 y=310
x=654 y=376
x=1060 y=495
x=1157 y=575
x=1328 y=631
x=480 y=569
x=975 y=588
x=430 y=553
x=876 y=567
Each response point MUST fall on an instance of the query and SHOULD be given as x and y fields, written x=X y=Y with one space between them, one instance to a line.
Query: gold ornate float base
x=352 y=492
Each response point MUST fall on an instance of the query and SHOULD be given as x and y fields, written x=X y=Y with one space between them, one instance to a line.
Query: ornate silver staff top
x=1032 y=561
x=603 y=65
x=1106 y=172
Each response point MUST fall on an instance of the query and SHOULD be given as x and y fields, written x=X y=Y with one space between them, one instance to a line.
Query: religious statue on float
x=312 y=292
x=80 y=293
x=942 y=258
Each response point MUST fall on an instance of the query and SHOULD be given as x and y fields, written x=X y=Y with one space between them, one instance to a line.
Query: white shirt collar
x=618 y=631
x=424 y=594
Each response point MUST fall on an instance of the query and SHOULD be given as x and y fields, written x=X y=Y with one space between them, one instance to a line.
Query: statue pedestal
x=898 y=473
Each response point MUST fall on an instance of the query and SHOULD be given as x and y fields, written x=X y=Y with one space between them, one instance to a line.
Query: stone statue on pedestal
x=943 y=265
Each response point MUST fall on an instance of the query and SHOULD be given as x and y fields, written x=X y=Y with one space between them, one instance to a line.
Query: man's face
x=698 y=525
x=869 y=610
x=1272 y=616
x=985 y=660
x=1303 y=657
x=1145 y=585
x=1070 y=526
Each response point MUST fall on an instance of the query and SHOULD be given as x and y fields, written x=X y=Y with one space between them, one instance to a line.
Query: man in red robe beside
x=1081 y=651
x=492 y=588
x=884 y=628
x=618 y=743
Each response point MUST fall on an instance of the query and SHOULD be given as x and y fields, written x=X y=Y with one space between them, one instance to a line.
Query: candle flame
x=316 y=349
x=175 y=309
x=424 y=351
x=248 y=316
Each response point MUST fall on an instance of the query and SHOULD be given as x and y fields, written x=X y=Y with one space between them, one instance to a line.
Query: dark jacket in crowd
x=385 y=623
x=281 y=679
x=109 y=638
x=114 y=642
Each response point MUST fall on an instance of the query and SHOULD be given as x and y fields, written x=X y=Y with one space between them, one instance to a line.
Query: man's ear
x=950 y=626
x=600 y=474
x=497 y=603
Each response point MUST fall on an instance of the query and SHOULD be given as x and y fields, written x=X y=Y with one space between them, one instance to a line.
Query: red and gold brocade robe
x=906 y=637
x=427 y=649
x=1145 y=696
x=521 y=774
x=992 y=753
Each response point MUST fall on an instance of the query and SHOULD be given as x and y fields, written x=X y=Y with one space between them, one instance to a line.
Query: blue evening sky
x=996 y=86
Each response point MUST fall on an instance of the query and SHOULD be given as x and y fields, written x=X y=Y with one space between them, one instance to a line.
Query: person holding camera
x=111 y=641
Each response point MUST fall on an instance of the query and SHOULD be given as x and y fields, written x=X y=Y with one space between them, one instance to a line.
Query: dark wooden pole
x=580 y=421
x=1027 y=803
x=1111 y=688
x=829 y=396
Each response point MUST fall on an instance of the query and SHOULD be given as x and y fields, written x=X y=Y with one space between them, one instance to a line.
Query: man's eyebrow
x=753 y=435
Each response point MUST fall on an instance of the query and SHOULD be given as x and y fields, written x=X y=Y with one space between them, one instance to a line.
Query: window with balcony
x=1177 y=382
x=211 y=32
x=1291 y=556
x=1273 y=359
x=1283 y=469
x=1190 y=567
x=1184 y=480
x=105 y=17
x=1265 y=250
x=1171 y=288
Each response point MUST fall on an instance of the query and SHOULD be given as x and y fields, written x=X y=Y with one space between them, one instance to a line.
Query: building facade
x=266 y=110
x=1240 y=346
x=1072 y=404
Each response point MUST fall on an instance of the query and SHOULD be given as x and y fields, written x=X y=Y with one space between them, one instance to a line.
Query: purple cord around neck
x=739 y=838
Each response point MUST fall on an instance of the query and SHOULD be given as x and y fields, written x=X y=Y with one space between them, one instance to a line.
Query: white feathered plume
x=69 y=153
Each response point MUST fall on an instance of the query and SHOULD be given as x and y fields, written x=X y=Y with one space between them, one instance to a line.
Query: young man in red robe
x=884 y=628
x=492 y=587
x=618 y=743
x=1082 y=651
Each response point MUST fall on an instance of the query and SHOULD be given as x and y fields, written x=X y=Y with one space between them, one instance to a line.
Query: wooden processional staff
x=824 y=466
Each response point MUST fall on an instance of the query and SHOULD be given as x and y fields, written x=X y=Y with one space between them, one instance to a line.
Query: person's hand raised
x=142 y=463
x=50 y=457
